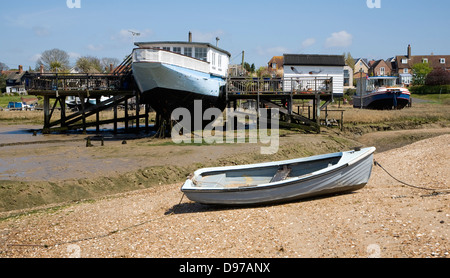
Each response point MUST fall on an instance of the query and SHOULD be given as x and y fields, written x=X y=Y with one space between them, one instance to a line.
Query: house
x=348 y=77
x=379 y=68
x=15 y=82
x=361 y=68
x=404 y=63
x=275 y=66
x=320 y=66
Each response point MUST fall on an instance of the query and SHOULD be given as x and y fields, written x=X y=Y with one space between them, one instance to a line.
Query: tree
x=54 y=60
x=3 y=67
x=420 y=72
x=2 y=83
x=438 y=77
x=107 y=62
x=89 y=64
x=350 y=61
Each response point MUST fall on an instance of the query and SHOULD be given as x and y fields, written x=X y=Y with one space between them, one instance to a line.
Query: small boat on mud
x=277 y=182
x=381 y=93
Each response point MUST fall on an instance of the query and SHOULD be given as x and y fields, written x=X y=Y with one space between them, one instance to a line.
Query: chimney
x=20 y=69
x=190 y=37
x=41 y=69
x=409 y=51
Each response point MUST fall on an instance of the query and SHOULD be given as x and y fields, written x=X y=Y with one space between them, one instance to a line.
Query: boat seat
x=281 y=174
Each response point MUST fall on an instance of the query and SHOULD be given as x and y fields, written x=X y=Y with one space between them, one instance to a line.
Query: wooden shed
x=322 y=67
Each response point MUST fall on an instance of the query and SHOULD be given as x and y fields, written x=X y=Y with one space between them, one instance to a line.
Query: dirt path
x=385 y=219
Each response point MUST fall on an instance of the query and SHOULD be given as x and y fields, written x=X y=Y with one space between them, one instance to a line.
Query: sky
x=261 y=28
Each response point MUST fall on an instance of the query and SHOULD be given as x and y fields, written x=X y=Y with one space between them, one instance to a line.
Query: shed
x=320 y=66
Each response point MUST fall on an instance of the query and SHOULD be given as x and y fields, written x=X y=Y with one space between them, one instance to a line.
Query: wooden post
x=83 y=113
x=126 y=114
x=46 y=114
x=318 y=110
x=62 y=103
x=115 y=118
x=138 y=108
x=97 y=116
x=147 y=111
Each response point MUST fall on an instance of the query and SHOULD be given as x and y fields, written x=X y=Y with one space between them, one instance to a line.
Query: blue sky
x=262 y=28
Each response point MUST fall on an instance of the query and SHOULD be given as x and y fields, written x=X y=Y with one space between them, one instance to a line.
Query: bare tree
x=3 y=67
x=54 y=60
x=107 y=62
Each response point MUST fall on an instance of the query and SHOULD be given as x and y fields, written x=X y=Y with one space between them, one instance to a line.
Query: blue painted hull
x=382 y=101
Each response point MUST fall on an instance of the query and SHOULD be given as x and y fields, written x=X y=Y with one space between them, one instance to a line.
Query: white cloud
x=308 y=42
x=35 y=58
x=74 y=55
x=93 y=47
x=339 y=39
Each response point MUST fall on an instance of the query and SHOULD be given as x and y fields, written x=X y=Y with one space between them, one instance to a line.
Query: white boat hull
x=351 y=173
x=151 y=76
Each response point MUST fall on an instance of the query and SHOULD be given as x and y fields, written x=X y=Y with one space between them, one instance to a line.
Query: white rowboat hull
x=348 y=171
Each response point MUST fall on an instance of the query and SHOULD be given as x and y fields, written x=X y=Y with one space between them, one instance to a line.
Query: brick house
x=380 y=68
x=403 y=64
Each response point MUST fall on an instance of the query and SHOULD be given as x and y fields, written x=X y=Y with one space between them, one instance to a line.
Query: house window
x=425 y=60
x=382 y=71
x=188 y=51
x=213 y=58
x=274 y=65
x=201 y=53
x=442 y=60
x=405 y=70
x=177 y=50
x=404 y=61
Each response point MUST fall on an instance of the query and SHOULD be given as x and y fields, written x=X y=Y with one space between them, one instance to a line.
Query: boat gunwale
x=287 y=182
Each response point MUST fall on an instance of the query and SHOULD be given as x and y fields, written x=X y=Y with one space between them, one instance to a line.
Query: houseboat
x=174 y=74
x=381 y=93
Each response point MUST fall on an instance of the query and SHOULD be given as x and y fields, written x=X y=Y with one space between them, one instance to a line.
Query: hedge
x=425 y=90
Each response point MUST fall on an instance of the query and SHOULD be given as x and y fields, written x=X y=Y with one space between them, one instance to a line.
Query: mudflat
x=125 y=202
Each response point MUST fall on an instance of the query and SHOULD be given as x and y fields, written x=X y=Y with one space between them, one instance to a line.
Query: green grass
x=434 y=98
x=5 y=100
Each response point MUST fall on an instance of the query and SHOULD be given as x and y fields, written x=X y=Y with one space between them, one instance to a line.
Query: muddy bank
x=385 y=219
x=53 y=173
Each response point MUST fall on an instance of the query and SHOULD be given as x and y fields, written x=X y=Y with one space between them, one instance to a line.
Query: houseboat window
x=177 y=50
x=166 y=48
x=213 y=58
x=188 y=51
x=219 y=61
x=442 y=60
x=201 y=53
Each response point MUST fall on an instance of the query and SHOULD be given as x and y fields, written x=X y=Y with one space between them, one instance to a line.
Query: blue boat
x=381 y=93
x=173 y=75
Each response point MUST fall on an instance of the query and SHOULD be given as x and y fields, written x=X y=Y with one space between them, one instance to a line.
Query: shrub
x=425 y=90
x=438 y=77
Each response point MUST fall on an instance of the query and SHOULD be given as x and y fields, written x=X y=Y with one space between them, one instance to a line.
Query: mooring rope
x=436 y=191
x=98 y=236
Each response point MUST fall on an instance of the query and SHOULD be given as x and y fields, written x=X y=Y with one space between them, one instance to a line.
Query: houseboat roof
x=204 y=44
x=314 y=60
x=383 y=77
